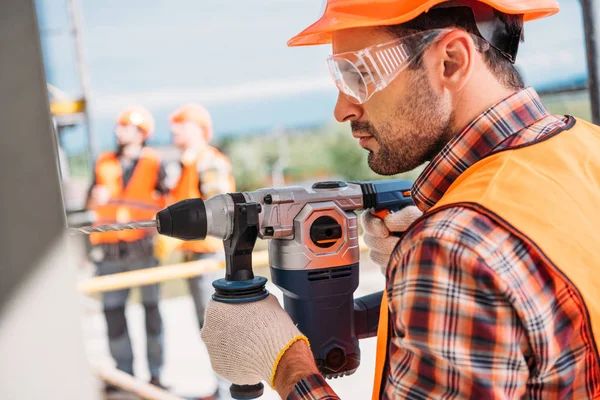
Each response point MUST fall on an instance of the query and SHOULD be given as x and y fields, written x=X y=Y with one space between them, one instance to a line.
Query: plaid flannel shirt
x=473 y=312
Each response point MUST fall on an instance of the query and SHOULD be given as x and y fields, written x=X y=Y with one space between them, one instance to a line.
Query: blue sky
x=231 y=56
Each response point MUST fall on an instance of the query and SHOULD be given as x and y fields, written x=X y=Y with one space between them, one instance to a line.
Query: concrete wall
x=41 y=347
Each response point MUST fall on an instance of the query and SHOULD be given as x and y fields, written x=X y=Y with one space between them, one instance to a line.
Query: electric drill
x=313 y=255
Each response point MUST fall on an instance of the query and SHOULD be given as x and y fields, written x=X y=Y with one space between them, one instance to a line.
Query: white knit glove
x=246 y=341
x=378 y=233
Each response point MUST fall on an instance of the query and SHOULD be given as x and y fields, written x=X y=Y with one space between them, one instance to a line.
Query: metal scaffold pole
x=591 y=15
x=76 y=20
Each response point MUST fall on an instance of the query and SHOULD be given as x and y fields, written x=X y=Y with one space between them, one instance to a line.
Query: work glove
x=246 y=341
x=379 y=236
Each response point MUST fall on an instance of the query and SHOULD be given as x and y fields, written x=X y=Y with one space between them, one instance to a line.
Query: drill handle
x=392 y=195
x=366 y=315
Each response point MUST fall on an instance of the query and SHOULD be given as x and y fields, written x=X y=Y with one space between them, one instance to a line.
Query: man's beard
x=417 y=132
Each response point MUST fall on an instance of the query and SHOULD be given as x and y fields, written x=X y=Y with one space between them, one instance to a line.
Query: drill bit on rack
x=86 y=230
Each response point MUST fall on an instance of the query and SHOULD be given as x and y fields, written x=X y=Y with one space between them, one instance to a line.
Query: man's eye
x=365 y=76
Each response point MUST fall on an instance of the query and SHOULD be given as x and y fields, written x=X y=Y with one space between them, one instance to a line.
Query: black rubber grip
x=366 y=315
x=237 y=197
x=185 y=220
x=243 y=392
x=369 y=195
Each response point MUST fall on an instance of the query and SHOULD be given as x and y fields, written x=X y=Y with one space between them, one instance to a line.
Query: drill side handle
x=238 y=248
x=392 y=195
x=240 y=285
x=366 y=315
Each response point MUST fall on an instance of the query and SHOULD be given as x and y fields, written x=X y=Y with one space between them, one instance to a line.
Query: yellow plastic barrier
x=149 y=276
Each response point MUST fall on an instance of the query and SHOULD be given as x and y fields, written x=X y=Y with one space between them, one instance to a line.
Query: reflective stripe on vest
x=135 y=202
x=547 y=193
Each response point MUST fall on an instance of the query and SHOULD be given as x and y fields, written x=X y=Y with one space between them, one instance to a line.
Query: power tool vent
x=331 y=273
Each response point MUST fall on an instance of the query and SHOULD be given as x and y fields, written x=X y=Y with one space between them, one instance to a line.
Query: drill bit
x=86 y=230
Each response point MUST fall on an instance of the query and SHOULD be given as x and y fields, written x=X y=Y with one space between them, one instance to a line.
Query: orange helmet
x=138 y=116
x=345 y=14
x=197 y=114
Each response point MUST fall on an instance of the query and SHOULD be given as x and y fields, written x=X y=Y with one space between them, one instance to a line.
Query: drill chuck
x=185 y=220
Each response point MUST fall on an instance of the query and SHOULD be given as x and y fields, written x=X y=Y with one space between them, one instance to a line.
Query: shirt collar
x=477 y=140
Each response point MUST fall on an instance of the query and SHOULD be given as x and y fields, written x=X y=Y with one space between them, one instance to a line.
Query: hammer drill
x=313 y=256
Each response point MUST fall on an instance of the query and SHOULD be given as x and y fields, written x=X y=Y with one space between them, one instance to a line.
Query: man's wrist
x=296 y=364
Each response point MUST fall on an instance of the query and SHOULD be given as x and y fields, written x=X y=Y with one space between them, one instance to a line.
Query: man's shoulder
x=216 y=153
x=460 y=226
x=213 y=159
x=106 y=155
x=543 y=128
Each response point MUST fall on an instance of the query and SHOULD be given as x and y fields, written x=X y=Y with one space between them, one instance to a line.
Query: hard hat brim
x=335 y=19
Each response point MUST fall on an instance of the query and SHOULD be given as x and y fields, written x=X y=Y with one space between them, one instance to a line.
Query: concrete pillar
x=591 y=17
x=41 y=348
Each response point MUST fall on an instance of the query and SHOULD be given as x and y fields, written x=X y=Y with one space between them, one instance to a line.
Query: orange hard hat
x=345 y=14
x=197 y=114
x=138 y=116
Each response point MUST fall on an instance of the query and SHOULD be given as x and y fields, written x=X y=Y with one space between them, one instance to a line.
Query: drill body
x=313 y=255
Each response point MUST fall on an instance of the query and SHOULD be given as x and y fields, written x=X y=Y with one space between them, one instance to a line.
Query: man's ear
x=456 y=54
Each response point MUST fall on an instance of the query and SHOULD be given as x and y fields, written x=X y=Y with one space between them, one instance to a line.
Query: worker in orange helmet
x=128 y=186
x=202 y=171
x=491 y=293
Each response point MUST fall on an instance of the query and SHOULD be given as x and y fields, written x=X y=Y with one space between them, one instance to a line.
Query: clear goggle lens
x=362 y=73
x=348 y=79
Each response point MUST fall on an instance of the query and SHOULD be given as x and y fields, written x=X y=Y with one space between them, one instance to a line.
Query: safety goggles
x=359 y=74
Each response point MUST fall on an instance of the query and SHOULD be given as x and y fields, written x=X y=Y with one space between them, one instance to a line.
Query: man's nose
x=345 y=110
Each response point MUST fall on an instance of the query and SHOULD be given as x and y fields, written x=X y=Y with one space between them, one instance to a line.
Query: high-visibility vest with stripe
x=547 y=193
x=137 y=201
x=188 y=187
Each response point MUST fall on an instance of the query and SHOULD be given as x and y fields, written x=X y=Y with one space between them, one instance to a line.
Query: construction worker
x=129 y=186
x=203 y=171
x=493 y=293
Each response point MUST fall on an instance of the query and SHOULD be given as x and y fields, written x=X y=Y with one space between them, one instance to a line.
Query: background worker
x=493 y=292
x=128 y=186
x=203 y=171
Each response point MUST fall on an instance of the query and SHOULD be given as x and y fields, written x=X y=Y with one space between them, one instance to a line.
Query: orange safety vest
x=547 y=193
x=188 y=187
x=138 y=201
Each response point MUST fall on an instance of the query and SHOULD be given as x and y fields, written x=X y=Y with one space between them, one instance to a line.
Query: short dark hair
x=462 y=17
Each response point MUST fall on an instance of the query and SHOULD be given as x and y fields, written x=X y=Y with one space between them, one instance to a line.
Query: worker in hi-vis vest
x=493 y=289
x=202 y=171
x=128 y=186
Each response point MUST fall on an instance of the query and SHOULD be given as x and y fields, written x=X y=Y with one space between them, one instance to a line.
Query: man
x=493 y=292
x=128 y=186
x=203 y=172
